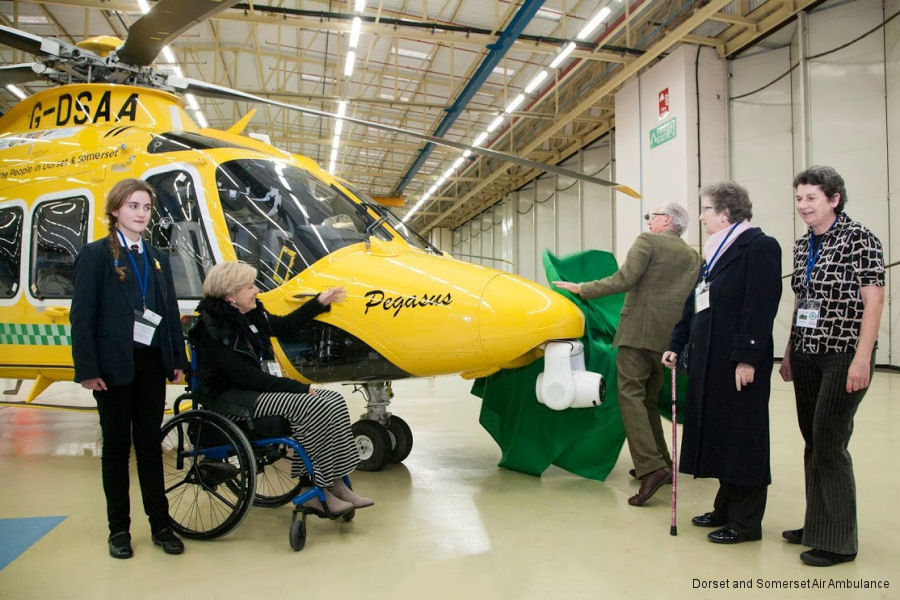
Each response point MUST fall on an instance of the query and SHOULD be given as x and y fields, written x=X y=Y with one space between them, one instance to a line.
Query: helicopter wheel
x=401 y=439
x=373 y=442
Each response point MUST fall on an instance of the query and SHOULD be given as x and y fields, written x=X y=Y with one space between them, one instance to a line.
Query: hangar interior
x=659 y=95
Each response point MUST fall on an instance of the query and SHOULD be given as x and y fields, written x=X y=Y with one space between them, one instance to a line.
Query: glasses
x=703 y=209
x=648 y=216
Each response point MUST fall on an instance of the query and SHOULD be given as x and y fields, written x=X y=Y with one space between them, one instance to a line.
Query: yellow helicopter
x=411 y=311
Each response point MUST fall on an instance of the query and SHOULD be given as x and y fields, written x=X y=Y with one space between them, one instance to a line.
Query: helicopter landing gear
x=380 y=436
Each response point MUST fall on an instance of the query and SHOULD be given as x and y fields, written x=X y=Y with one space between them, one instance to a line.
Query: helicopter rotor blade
x=20 y=40
x=210 y=90
x=167 y=20
x=21 y=73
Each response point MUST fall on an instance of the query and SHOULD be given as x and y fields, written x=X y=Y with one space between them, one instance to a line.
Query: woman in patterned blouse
x=838 y=281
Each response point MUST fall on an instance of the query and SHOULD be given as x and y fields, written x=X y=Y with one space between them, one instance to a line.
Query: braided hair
x=117 y=196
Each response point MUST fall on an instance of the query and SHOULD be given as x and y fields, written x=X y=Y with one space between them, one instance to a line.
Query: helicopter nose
x=516 y=315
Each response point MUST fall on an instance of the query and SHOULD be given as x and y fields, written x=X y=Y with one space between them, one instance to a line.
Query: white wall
x=671 y=171
x=846 y=102
x=836 y=109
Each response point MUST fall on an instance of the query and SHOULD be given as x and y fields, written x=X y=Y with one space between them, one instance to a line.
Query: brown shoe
x=649 y=484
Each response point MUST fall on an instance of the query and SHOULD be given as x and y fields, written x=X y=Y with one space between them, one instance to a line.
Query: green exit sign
x=662 y=134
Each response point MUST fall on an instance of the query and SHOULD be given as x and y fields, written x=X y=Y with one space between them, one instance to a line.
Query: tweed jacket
x=659 y=272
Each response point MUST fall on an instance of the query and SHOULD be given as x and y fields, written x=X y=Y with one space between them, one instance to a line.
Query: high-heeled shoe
x=342 y=491
x=334 y=506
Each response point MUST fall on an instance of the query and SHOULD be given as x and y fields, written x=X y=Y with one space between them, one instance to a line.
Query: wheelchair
x=214 y=470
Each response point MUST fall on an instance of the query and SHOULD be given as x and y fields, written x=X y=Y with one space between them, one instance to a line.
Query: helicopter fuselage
x=410 y=310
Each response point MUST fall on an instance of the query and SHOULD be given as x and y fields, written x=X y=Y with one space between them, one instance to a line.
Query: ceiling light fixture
x=536 y=81
x=494 y=124
x=348 y=65
x=354 y=31
x=566 y=51
x=593 y=23
x=16 y=91
x=548 y=15
x=515 y=103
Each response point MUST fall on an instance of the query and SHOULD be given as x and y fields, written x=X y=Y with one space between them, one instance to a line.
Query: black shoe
x=727 y=535
x=824 y=558
x=793 y=536
x=120 y=545
x=170 y=544
x=710 y=519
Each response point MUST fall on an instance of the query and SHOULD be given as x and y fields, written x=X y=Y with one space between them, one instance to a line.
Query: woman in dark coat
x=727 y=328
x=240 y=377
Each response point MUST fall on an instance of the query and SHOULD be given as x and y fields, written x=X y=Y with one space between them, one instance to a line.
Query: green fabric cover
x=584 y=441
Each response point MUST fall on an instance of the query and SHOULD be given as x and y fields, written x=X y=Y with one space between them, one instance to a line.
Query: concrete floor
x=447 y=522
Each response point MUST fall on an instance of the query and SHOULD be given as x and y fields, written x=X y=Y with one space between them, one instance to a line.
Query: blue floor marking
x=19 y=535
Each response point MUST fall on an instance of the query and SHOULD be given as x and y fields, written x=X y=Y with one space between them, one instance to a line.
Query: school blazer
x=102 y=315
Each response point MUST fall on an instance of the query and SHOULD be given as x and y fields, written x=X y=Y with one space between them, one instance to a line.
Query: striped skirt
x=320 y=423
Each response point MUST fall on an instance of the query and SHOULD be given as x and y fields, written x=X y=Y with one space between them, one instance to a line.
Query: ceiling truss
x=414 y=60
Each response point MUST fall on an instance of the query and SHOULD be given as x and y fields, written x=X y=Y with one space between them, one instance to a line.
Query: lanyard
x=142 y=283
x=811 y=258
x=719 y=249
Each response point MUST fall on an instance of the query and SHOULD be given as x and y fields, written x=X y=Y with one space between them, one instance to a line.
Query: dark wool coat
x=229 y=353
x=726 y=432
x=102 y=315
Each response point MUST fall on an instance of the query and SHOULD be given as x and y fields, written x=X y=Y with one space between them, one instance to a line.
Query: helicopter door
x=176 y=228
x=10 y=250
x=58 y=231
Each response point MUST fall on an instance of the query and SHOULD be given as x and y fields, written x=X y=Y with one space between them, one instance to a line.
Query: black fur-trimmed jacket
x=230 y=353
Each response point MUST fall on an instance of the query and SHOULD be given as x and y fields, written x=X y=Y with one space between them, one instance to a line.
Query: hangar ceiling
x=468 y=70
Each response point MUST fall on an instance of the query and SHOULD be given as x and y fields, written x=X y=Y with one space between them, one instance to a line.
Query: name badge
x=145 y=324
x=701 y=297
x=808 y=312
x=272 y=368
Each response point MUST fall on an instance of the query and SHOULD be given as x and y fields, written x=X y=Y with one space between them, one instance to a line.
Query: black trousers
x=134 y=412
x=742 y=505
x=825 y=414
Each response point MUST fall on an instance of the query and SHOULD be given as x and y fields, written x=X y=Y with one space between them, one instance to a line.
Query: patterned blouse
x=850 y=258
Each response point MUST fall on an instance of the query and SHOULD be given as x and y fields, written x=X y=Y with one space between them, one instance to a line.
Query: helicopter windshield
x=412 y=238
x=281 y=219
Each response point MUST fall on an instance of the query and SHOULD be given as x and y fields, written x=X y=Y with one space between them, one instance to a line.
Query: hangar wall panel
x=762 y=154
x=892 y=244
x=837 y=107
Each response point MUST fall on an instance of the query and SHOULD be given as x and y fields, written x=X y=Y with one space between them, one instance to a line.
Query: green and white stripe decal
x=35 y=335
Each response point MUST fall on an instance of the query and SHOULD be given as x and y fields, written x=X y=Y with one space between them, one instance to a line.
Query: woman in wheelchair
x=239 y=377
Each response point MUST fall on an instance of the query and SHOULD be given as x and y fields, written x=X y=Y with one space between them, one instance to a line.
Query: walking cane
x=673 y=530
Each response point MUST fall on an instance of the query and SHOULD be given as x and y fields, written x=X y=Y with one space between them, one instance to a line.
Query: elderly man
x=657 y=275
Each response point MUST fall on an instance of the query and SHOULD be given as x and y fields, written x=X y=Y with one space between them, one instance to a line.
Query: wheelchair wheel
x=186 y=399
x=274 y=484
x=297 y=535
x=209 y=474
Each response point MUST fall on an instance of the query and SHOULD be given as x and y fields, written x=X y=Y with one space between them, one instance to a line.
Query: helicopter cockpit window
x=177 y=141
x=176 y=229
x=10 y=250
x=58 y=231
x=282 y=219
x=412 y=238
